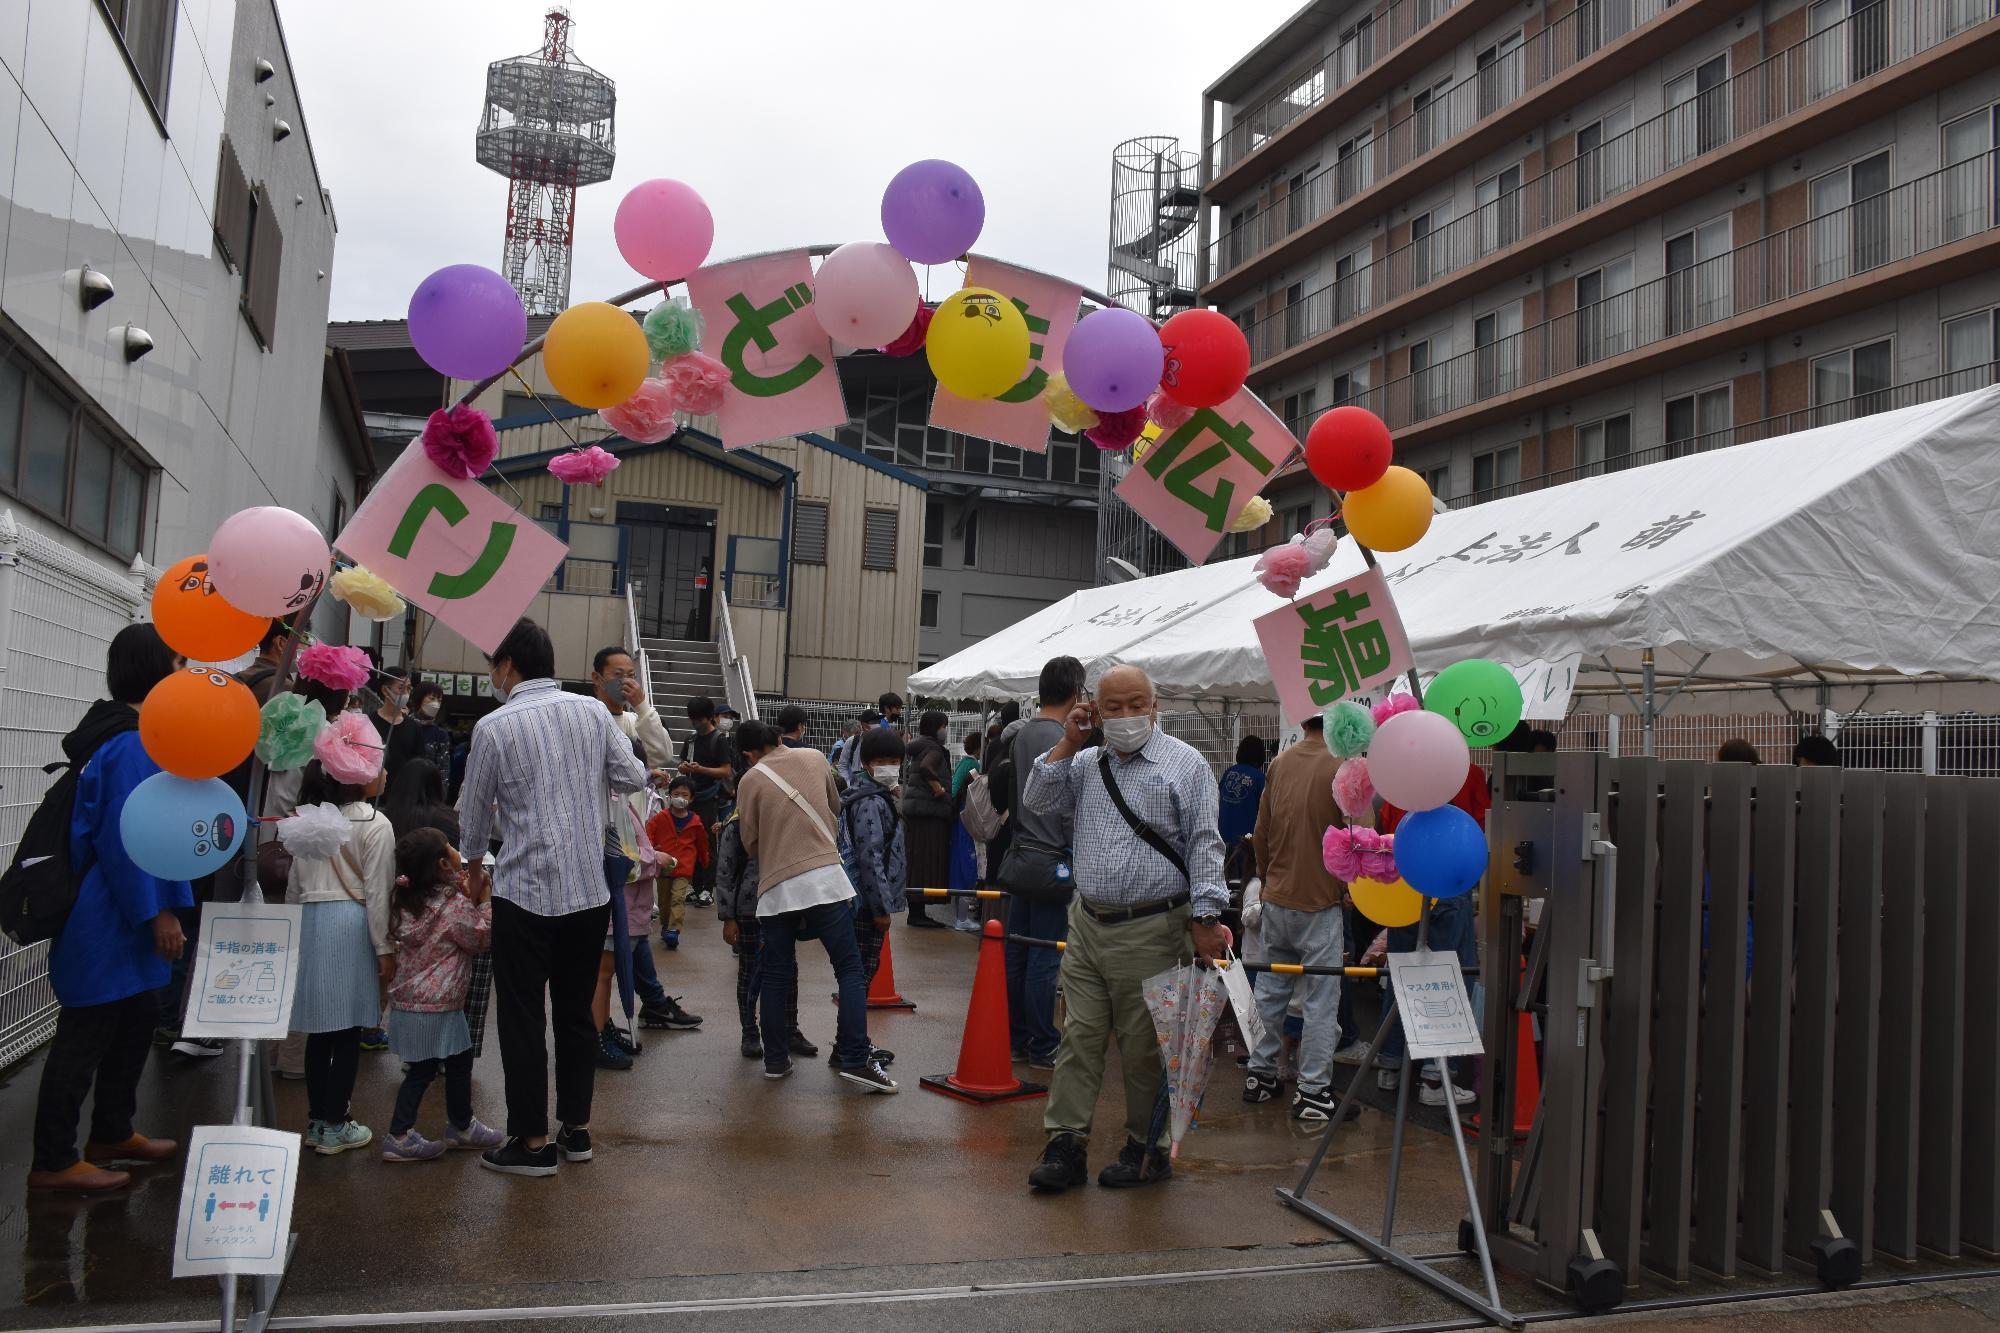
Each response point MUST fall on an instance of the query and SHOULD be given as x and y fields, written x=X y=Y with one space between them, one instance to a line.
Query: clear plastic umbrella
x=1186 y=1003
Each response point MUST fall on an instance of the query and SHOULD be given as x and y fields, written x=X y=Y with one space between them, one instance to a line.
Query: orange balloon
x=199 y=723
x=194 y=619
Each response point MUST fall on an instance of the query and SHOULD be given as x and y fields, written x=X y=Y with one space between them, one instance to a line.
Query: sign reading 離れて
x=236 y=1201
x=244 y=971
x=1018 y=416
x=1338 y=642
x=1199 y=476
x=761 y=326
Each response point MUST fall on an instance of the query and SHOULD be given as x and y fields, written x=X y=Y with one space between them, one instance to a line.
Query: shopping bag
x=1243 y=999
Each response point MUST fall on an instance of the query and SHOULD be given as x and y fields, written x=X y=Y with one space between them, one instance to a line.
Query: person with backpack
x=927 y=809
x=874 y=831
x=115 y=945
x=1036 y=870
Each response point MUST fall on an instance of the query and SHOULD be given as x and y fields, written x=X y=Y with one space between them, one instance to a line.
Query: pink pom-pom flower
x=1321 y=545
x=460 y=441
x=647 y=417
x=1354 y=790
x=698 y=380
x=1359 y=853
x=334 y=666
x=1282 y=567
x=1396 y=703
x=349 y=749
x=588 y=466
x=1167 y=414
x=1117 y=430
x=912 y=339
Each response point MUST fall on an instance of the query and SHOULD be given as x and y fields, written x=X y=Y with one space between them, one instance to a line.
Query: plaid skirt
x=477 y=996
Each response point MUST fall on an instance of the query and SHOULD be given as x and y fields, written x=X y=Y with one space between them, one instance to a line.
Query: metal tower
x=547 y=129
x=1154 y=201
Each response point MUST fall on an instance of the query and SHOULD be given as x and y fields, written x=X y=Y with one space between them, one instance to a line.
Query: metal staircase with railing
x=680 y=670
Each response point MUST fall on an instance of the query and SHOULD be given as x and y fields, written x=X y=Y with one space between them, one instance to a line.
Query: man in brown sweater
x=1301 y=922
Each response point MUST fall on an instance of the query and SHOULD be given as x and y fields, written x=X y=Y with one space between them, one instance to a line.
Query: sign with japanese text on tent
x=452 y=547
x=780 y=360
x=1198 y=477
x=236 y=1201
x=1430 y=997
x=245 y=971
x=1340 y=641
x=1017 y=417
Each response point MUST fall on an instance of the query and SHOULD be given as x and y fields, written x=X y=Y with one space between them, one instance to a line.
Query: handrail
x=737 y=683
x=638 y=645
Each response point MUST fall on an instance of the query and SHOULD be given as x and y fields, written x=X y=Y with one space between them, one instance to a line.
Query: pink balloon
x=267 y=561
x=865 y=294
x=664 y=229
x=1418 y=760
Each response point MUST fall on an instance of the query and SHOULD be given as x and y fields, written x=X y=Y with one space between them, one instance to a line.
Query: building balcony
x=1584 y=51
x=1916 y=236
x=1850 y=72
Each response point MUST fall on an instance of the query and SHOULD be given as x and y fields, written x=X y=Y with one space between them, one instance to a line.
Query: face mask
x=430 y=708
x=887 y=774
x=1128 y=734
x=678 y=802
x=727 y=725
x=499 y=690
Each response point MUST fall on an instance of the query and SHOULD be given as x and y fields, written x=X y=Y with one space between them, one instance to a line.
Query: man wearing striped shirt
x=541 y=773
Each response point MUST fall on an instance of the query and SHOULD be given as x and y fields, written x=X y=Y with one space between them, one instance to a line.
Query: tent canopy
x=1858 y=553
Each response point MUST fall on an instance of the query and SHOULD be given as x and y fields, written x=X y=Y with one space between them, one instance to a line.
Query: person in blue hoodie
x=872 y=827
x=116 y=949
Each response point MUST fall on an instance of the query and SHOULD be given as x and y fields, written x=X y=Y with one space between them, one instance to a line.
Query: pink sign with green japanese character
x=1197 y=478
x=1018 y=416
x=761 y=326
x=1338 y=642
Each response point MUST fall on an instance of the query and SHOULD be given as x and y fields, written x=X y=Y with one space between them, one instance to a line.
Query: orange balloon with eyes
x=199 y=723
x=194 y=618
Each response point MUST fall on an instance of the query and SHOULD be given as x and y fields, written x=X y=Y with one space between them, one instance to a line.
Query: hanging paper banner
x=1338 y=642
x=761 y=326
x=452 y=547
x=1018 y=416
x=1196 y=478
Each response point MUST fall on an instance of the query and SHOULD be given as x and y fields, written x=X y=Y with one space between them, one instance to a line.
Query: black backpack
x=39 y=888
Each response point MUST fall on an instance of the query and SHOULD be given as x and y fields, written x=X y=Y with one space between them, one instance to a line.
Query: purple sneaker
x=475 y=1135
x=410 y=1147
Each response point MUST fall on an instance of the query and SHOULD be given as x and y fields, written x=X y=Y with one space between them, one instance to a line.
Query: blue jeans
x=1031 y=977
x=832 y=924
x=1452 y=931
x=645 y=976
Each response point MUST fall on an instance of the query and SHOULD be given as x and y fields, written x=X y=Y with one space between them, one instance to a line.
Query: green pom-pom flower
x=291 y=723
x=1349 y=728
x=673 y=330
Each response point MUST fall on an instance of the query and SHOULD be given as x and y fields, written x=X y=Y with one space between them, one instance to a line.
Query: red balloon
x=1348 y=449
x=1207 y=358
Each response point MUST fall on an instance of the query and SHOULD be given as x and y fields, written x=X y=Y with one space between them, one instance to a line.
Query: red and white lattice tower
x=547 y=129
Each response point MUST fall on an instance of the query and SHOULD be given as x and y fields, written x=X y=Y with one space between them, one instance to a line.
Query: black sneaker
x=610 y=1055
x=776 y=1072
x=620 y=1038
x=1258 y=1089
x=1135 y=1166
x=198 y=1048
x=799 y=1046
x=675 y=1017
x=925 y=923
x=573 y=1144
x=1317 y=1107
x=876 y=1055
x=753 y=1046
x=870 y=1077
x=513 y=1159
x=654 y=1016
x=1064 y=1163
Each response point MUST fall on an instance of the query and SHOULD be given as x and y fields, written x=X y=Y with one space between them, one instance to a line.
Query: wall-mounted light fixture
x=280 y=130
x=137 y=341
x=265 y=70
x=93 y=289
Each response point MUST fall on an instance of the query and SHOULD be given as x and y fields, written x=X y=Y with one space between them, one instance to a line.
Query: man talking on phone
x=1148 y=869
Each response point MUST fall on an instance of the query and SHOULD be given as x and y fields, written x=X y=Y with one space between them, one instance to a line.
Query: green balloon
x=1481 y=697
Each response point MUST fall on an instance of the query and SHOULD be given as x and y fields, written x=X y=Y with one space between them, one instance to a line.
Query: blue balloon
x=182 y=828
x=1441 y=852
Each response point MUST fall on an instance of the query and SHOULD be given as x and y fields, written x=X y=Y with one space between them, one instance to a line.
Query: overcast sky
x=789 y=116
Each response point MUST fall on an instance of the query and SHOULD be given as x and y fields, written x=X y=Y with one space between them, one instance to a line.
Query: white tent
x=1856 y=557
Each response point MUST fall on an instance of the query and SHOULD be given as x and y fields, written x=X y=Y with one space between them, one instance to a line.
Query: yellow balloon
x=1387 y=904
x=595 y=354
x=978 y=343
x=1393 y=514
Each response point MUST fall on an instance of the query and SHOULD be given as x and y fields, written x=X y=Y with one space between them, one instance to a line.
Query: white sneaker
x=1354 y=1053
x=1388 y=1080
x=1432 y=1094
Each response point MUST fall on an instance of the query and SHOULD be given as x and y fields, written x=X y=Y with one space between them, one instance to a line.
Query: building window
x=1603 y=156
x=809 y=533
x=1425 y=396
x=1298 y=411
x=1604 y=446
x=1497 y=473
x=1006 y=461
x=1499 y=74
x=1604 y=312
x=1499 y=204
x=550 y=512
x=972 y=537
x=927 y=611
x=1849 y=231
x=1697 y=119
x=1698 y=277
x=60 y=459
x=232 y=208
x=262 y=269
x=1698 y=421
x=878 y=539
x=1427 y=118
x=1969 y=341
x=933 y=534
x=1496 y=340
x=1062 y=462
x=1350 y=385
x=1853 y=383
x=1969 y=183
x=146 y=27
x=1430 y=239
x=1438 y=479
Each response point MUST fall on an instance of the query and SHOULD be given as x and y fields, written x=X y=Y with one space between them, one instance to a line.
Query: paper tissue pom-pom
x=1354 y=790
x=673 y=329
x=698 y=381
x=1349 y=728
x=315 y=832
x=1320 y=545
x=1252 y=516
x=349 y=749
x=460 y=441
x=1282 y=567
x=912 y=340
x=368 y=595
x=333 y=666
x=647 y=417
x=1116 y=430
x=1394 y=704
x=588 y=466
x=290 y=725
x=1166 y=413
x=1359 y=853
x=1069 y=412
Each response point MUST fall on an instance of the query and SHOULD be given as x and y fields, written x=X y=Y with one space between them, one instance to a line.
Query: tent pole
x=1646 y=713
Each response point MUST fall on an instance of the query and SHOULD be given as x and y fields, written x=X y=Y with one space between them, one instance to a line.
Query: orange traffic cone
x=985 y=1070
x=882 y=991
x=1527 y=1078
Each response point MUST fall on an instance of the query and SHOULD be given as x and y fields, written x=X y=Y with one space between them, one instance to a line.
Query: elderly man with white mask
x=1149 y=890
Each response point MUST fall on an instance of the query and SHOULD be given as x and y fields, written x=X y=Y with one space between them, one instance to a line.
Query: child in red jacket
x=678 y=832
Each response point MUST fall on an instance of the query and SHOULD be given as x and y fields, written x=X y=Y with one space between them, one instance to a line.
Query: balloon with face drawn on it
x=181 y=828
x=268 y=561
x=1480 y=697
x=198 y=622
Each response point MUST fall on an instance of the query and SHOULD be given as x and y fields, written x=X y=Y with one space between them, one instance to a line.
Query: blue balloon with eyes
x=182 y=828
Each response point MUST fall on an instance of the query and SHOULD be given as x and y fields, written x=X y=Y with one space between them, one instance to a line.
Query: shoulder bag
x=1147 y=833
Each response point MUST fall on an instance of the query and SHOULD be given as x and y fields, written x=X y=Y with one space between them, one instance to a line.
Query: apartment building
x=1548 y=240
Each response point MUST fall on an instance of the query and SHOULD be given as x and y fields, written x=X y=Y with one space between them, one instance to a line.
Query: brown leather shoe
x=138 y=1148
x=78 y=1178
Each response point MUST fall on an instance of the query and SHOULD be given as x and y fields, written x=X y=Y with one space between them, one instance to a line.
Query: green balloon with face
x=1481 y=697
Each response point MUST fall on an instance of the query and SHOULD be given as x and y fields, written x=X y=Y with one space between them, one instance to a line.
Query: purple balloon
x=932 y=211
x=1113 y=359
x=467 y=322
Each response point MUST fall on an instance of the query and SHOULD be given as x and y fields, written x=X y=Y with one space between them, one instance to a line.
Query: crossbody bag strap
x=818 y=819
x=1147 y=833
